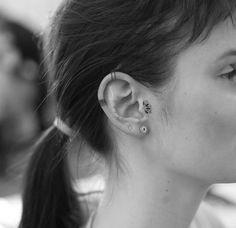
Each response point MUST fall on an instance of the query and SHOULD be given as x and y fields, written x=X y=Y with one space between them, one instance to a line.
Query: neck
x=149 y=198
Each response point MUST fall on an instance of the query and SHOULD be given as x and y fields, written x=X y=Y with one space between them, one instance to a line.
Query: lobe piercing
x=143 y=130
x=130 y=127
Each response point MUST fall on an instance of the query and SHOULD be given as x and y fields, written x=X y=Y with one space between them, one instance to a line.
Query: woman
x=150 y=86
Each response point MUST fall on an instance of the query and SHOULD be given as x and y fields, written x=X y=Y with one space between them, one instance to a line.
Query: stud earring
x=113 y=76
x=147 y=108
x=130 y=127
x=143 y=130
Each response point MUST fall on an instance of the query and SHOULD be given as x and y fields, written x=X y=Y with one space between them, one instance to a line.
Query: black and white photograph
x=117 y=113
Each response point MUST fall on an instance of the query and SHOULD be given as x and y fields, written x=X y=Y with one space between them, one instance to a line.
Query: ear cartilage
x=147 y=107
x=102 y=102
x=143 y=130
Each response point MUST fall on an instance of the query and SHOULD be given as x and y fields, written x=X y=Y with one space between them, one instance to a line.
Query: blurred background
x=26 y=110
x=34 y=13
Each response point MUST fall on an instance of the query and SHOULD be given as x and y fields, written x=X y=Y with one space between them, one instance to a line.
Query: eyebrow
x=231 y=52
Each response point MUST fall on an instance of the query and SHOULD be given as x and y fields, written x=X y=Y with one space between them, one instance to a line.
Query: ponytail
x=49 y=200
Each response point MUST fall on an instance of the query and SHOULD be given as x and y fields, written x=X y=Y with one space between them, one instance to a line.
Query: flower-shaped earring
x=147 y=108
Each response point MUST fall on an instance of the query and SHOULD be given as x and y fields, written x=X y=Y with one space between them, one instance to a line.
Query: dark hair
x=88 y=40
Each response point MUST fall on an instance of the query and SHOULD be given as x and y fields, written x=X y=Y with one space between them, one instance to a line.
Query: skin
x=202 y=128
x=191 y=143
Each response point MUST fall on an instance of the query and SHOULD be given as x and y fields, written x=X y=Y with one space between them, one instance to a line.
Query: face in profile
x=199 y=137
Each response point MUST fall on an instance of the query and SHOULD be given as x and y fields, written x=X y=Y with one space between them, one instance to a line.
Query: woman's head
x=146 y=41
x=127 y=54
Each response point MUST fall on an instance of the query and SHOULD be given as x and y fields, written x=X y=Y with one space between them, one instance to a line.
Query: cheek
x=220 y=126
x=214 y=111
x=202 y=131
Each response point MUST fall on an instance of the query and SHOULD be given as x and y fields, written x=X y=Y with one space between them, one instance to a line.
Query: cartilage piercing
x=113 y=76
x=147 y=107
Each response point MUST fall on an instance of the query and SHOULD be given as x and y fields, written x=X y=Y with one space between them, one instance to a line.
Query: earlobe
x=122 y=100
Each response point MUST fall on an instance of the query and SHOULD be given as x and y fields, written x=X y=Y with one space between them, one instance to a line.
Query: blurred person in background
x=22 y=106
x=21 y=88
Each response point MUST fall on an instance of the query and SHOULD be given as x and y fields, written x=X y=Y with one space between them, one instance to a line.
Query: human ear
x=124 y=101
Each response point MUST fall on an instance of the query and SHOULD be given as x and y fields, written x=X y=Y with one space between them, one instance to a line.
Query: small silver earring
x=130 y=127
x=143 y=130
x=113 y=76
